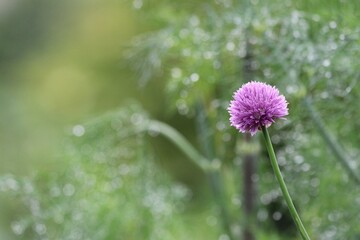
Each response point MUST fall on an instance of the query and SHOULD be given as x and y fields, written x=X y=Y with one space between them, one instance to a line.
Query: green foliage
x=304 y=53
x=108 y=184
x=109 y=188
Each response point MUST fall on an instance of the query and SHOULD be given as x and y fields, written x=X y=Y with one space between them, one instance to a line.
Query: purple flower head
x=254 y=105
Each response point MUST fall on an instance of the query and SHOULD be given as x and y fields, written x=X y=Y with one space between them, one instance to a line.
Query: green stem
x=180 y=141
x=330 y=140
x=283 y=187
x=206 y=137
x=210 y=168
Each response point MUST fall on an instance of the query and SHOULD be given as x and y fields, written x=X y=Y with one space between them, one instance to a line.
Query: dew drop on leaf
x=78 y=130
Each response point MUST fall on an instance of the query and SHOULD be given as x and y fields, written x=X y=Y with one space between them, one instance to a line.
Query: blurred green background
x=81 y=82
x=60 y=64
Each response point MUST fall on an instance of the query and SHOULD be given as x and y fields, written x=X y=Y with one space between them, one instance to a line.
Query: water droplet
x=237 y=20
x=324 y=95
x=34 y=207
x=186 y=52
x=236 y=200
x=184 y=33
x=225 y=3
x=18 y=228
x=77 y=216
x=176 y=72
x=10 y=184
x=311 y=56
x=40 y=228
x=267 y=72
x=194 y=21
x=330 y=233
x=230 y=46
x=58 y=217
x=182 y=107
x=277 y=216
x=332 y=24
x=224 y=237
x=295 y=17
x=291 y=89
x=215 y=103
x=266 y=198
x=348 y=89
x=353 y=164
x=124 y=169
x=281 y=160
x=186 y=81
x=226 y=137
x=333 y=46
x=296 y=34
x=262 y=215
x=55 y=192
x=208 y=55
x=28 y=187
x=137 y=119
x=299 y=159
x=220 y=125
x=116 y=183
x=78 y=130
x=305 y=167
x=216 y=64
x=153 y=131
x=316 y=18
x=169 y=42
x=137 y=4
x=326 y=63
x=314 y=182
x=253 y=40
x=255 y=177
x=200 y=35
x=328 y=74
x=68 y=190
x=194 y=77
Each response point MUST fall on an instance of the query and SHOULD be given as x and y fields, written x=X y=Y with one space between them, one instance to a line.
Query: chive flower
x=254 y=105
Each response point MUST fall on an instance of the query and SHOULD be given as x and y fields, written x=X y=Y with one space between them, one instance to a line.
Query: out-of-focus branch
x=330 y=140
x=183 y=144
x=215 y=178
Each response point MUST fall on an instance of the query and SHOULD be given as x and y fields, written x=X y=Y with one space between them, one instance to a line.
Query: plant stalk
x=182 y=143
x=215 y=179
x=331 y=141
x=283 y=187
